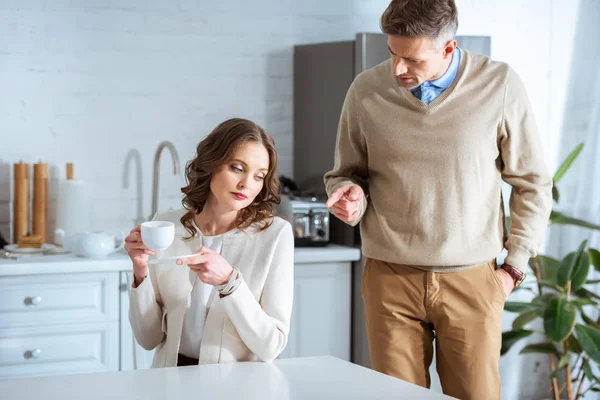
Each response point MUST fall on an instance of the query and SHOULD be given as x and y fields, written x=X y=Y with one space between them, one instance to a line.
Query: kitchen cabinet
x=321 y=322
x=132 y=356
x=58 y=324
x=64 y=315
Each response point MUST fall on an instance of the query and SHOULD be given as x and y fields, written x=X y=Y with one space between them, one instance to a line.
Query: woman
x=233 y=300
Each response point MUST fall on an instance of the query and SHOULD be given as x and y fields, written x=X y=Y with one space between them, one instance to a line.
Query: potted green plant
x=564 y=303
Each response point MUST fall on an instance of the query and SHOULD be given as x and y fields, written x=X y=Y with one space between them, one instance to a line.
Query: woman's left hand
x=210 y=266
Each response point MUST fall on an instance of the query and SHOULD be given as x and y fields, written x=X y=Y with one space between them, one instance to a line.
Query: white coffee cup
x=158 y=235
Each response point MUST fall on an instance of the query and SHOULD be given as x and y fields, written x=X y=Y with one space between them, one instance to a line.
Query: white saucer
x=169 y=260
x=14 y=248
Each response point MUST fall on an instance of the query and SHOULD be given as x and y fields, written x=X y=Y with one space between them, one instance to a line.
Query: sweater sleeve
x=264 y=325
x=524 y=169
x=350 y=165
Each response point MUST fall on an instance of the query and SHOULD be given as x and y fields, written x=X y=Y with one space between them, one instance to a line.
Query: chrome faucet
x=175 y=158
x=134 y=157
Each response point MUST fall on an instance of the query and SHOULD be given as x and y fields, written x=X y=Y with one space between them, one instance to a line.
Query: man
x=424 y=141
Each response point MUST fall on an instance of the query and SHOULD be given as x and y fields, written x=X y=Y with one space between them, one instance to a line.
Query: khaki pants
x=407 y=307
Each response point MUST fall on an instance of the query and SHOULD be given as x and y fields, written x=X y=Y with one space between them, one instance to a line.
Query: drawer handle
x=33 y=353
x=33 y=300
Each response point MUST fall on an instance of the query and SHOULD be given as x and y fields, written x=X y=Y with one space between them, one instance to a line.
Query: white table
x=294 y=378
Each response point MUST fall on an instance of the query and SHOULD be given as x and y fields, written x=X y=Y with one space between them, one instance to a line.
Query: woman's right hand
x=138 y=253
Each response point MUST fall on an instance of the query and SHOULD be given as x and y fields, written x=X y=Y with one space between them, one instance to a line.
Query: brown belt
x=183 y=361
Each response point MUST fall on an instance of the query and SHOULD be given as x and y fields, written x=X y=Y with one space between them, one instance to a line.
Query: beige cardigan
x=251 y=324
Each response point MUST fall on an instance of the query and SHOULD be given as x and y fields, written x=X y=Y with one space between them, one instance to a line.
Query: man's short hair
x=435 y=19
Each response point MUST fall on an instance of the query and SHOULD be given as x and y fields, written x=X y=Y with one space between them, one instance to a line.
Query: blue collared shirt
x=429 y=90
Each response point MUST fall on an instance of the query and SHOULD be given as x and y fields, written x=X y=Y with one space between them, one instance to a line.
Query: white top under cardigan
x=198 y=305
x=251 y=324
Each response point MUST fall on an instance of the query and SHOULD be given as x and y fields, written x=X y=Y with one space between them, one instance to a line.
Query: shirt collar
x=444 y=81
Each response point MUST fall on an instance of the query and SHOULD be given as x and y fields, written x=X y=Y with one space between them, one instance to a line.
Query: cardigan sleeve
x=146 y=311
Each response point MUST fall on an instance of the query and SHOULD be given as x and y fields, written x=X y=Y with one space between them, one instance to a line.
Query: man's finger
x=355 y=193
x=347 y=210
x=345 y=215
x=347 y=205
x=344 y=218
x=335 y=196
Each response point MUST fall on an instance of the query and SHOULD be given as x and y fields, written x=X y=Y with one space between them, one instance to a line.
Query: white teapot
x=91 y=244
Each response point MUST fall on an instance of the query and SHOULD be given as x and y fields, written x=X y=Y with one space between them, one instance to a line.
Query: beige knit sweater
x=433 y=172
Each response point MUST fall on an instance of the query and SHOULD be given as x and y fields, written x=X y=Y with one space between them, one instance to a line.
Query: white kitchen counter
x=330 y=253
x=295 y=378
x=68 y=263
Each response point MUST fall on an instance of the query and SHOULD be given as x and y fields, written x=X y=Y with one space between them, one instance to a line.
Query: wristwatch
x=515 y=273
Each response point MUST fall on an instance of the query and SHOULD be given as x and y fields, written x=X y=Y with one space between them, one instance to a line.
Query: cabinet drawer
x=54 y=350
x=60 y=298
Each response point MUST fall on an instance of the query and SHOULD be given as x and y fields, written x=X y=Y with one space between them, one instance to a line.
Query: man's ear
x=449 y=48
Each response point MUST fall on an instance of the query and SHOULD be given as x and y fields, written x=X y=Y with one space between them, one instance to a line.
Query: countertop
x=69 y=263
x=294 y=378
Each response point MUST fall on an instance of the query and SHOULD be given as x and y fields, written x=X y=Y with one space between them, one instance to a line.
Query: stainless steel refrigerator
x=323 y=73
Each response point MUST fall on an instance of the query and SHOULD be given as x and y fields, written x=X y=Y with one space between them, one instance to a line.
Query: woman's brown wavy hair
x=216 y=150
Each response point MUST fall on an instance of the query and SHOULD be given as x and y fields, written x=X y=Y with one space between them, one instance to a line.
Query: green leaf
x=564 y=361
x=573 y=344
x=551 y=285
x=589 y=321
x=541 y=302
x=555 y=374
x=567 y=163
x=584 y=302
x=570 y=268
x=559 y=319
x=587 y=370
x=548 y=348
x=509 y=338
x=555 y=195
x=590 y=341
x=561 y=219
x=549 y=268
x=522 y=287
x=586 y=294
x=566 y=269
x=580 y=274
x=594 y=258
x=524 y=319
x=590 y=282
x=518 y=307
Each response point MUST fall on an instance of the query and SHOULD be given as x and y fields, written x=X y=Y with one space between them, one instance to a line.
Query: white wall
x=536 y=38
x=88 y=81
